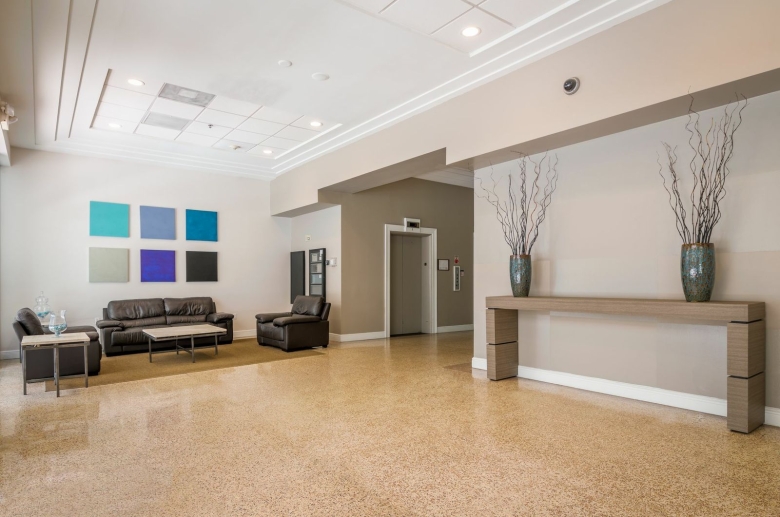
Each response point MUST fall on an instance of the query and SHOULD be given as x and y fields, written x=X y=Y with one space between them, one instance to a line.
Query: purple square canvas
x=158 y=266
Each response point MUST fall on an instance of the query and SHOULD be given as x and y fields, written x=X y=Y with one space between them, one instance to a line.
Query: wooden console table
x=746 y=340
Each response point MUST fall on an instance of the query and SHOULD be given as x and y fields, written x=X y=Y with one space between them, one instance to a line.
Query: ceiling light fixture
x=267 y=151
x=315 y=123
x=284 y=63
x=470 y=32
x=235 y=147
x=319 y=76
x=136 y=82
x=114 y=125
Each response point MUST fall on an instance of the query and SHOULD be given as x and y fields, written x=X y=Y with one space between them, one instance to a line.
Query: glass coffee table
x=183 y=332
x=52 y=342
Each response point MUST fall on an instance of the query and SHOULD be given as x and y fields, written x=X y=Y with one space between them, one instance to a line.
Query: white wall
x=44 y=237
x=610 y=232
x=324 y=227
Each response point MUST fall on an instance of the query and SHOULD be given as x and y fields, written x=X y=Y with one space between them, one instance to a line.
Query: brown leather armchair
x=305 y=326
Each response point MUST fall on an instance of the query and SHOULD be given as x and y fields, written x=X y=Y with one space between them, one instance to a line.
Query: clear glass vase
x=57 y=323
x=42 y=309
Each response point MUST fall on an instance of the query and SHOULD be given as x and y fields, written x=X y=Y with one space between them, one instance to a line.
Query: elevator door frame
x=432 y=327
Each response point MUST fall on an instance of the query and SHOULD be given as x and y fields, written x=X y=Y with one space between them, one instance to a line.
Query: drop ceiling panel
x=156 y=132
x=220 y=118
x=241 y=147
x=372 y=6
x=119 y=79
x=425 y=15
x=175 y=109
x=275 y=115
x=306 y=121
x=259 y=151
x=167 y=121
x=521 y=12
x=491 y=29
x=221 y=103
x=127 y=98
x=193 y=138
x=246 y=136
x=296 y=133
x=262 y=127
x=200 y=128
x=280 y=143
x=124 y=125
x=120 y=112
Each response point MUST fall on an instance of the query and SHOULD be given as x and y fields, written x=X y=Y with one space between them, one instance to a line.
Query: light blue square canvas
x=158 y=223
x=201 y=225
x=109 y=219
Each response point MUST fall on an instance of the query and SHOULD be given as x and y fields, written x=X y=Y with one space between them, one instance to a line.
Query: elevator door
x=405 y=285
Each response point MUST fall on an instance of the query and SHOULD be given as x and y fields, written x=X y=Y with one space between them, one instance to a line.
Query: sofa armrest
x=292 y=320
x=269 y=317
x=102 y=324
x=219 y=317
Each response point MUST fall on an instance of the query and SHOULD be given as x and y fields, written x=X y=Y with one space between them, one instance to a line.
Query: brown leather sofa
x=40 y=363
x=121 y=329
x=305 y=326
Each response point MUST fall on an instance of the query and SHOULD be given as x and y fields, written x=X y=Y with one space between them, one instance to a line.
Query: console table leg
x=746 y=397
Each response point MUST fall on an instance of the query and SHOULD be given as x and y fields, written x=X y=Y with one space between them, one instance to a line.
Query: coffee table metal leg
x=57 y=369
x=86 y=368
x=176 y=345
x=216 y=349
x=24 y=368
x=192 y=347
x=150 y=350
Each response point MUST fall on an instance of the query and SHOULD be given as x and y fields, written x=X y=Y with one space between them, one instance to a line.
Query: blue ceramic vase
x=697 y=267
x=520 y=274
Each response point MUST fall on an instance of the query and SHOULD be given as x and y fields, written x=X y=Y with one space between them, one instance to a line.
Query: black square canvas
x=201 y=266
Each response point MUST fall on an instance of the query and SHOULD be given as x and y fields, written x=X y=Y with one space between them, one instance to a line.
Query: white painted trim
x=9 y=354
x=455 y=328
x=709 y=405
x=244 y=334
x=432 y=278
x=343 y=338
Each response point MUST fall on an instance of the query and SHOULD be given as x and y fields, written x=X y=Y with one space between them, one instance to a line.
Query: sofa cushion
x=295 y=318
x=308 y=305
x=144 y=322
x=200 y=306
x=270 y=331
x=171 y=320
x=132 y=336
x=136 y=309
x=29 y=322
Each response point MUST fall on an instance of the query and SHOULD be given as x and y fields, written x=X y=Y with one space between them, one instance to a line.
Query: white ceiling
x=67 y=66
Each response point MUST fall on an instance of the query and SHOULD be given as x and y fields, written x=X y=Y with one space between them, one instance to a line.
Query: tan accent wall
x=655 y=57
x=448 y=208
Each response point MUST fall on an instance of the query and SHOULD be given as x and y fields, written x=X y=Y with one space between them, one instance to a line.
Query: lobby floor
x=386 y=427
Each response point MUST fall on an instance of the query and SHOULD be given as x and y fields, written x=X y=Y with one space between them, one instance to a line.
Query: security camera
x=570 y=86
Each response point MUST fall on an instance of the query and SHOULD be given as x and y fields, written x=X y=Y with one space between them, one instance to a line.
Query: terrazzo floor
x=387 y=427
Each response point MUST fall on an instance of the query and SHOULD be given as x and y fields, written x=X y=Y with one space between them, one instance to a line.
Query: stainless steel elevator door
x=406 y=268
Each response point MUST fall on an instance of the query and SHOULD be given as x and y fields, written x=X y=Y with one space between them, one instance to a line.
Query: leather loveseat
x=121 y=329
x=305 y=326
x=40 y=363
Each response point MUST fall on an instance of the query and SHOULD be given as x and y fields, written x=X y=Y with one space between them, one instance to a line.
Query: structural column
x=746 y=362
x=501 y=344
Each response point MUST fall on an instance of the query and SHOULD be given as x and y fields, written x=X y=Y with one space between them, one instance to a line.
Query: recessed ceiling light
x=267 y=151
x=319 y=76
x=114 y=125
x=315 y=123
x=284 y=63
x=470 y=32
x=136 y=82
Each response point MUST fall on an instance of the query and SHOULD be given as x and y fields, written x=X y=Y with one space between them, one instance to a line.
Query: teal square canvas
x=109 y=219
x=201 y=225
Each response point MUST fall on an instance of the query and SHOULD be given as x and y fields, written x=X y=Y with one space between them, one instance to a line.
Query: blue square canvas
x=201 y=225
x=109 y=219
x=158 y=223
x=158 y=266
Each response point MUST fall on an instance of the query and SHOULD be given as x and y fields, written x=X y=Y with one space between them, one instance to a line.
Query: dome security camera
x=570 y=86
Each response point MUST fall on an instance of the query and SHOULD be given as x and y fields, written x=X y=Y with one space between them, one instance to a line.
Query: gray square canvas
x=109 y=265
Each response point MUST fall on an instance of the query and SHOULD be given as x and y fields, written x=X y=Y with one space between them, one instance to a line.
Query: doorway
x=410 y=281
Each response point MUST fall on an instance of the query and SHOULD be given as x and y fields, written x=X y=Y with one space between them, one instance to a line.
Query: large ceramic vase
x=697 y=267
x=520 y=274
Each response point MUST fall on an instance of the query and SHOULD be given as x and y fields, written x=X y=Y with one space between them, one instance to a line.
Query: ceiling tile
x=242 y=147
x=127 y=98
x=258 y=151
x=305 y=123
x=296 y=133
x=163 y=120
x=372 y=6
x=176 y=109
x=245 y=136
x=262 y=127
x=120 y=112
x=491 y=28
x=280 y=143
x=425 y=15
x=119 y=79
x=220 y=118
x=193 y=138
x=233 y=106
x=520 y=12
x=275 y=115
x=200 y=128
x=124 y=125
x=157 y=132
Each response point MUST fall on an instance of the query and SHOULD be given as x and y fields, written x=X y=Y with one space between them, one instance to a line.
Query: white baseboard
x=343 y=338
x=9 y=354
x=709 y=405
x=455 y=328
x=244 y=334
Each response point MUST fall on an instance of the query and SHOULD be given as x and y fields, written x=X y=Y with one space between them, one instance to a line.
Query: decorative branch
x=709 y=166
x=522 y=210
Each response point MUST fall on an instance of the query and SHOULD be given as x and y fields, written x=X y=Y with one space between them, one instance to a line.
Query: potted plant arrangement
x=520 y=210
x=713 y=149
